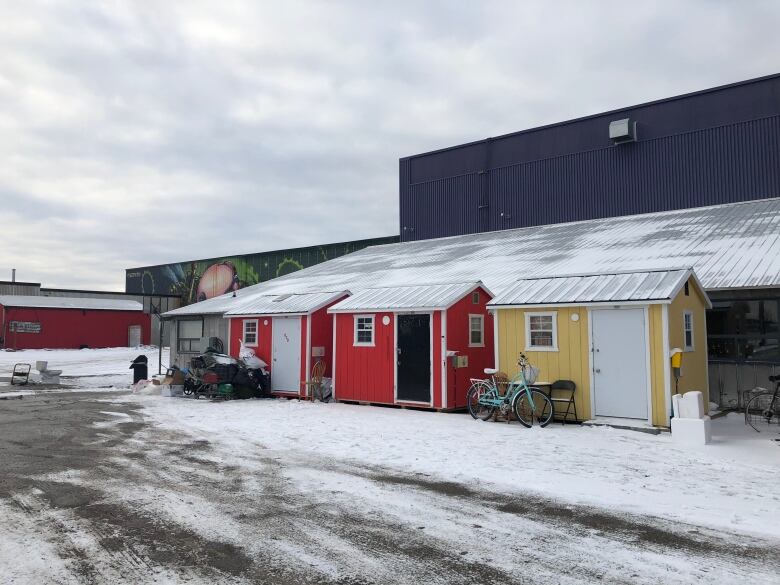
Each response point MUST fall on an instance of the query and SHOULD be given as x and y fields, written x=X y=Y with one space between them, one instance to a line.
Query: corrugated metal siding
x=68 y=328
x=20 y=288
x=716 y=147
x=631 y=286
x=284 y=304
x=430 y=296
x=70 y=303
x=728 y=246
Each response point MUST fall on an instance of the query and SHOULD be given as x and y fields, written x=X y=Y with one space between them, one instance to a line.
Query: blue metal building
x=720 y=145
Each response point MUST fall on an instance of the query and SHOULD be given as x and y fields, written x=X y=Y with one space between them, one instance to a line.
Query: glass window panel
x=759 y=349
x=722 y=348
x=475 y=326
x=541 y=338
x=364 y=330
x=191 y=329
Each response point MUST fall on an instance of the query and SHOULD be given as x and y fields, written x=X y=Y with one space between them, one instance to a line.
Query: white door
x=286 y=354
x=134 y=336
x=619 y=343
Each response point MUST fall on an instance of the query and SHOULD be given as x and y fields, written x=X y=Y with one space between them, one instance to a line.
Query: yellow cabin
x=613 y=335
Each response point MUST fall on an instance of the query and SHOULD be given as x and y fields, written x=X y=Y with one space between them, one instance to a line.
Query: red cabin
x=289 y=332
x=40 y=322
x=412 y=345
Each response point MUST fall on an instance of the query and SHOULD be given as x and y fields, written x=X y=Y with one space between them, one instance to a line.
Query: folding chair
x=21 y=374
x=562 y=392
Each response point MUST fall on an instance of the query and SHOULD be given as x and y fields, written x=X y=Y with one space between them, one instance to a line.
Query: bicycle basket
x=530 y=374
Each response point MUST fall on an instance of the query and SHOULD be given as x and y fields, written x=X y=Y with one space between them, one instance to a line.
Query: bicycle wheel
x=763 y=412
x=477 y=391
x=538 y=409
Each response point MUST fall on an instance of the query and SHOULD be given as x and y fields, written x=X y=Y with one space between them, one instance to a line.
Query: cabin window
x=541 y=332
x=364 y=330
x=188 y=335
x=476 y=330
x=688 y=330
x=250 y=332
x=475 y=297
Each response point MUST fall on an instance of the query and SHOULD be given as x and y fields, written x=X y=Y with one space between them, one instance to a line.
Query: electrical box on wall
x=460 y=361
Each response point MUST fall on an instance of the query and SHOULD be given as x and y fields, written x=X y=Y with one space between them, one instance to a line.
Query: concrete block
x=691 y=431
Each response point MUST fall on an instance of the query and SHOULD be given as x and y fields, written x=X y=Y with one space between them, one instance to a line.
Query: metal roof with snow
x=41 y=302
x=284 y=304
x=651 y=286
x=428 y=297
x=729 y=246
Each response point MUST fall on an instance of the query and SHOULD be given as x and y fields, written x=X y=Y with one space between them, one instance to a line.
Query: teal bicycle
x=529 y=404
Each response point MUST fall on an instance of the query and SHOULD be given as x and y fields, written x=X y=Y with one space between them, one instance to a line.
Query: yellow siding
x=694 y=363
x=570 y=362
x=658 y=390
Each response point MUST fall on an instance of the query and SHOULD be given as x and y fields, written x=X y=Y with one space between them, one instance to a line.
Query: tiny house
x=412 y=345
x=612 y=334
x=290 y=332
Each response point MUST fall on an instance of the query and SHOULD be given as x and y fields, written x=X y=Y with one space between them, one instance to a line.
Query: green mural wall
x=197 y=280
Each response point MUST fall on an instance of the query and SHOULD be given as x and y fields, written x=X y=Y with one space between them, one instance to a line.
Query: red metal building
x=40 y=322
x=289 y=332
x=412 y=345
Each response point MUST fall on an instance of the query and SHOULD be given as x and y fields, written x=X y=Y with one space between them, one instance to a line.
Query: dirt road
x=92 y=493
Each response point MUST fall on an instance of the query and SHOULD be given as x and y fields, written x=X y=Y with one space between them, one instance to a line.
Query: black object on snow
x=140 y=368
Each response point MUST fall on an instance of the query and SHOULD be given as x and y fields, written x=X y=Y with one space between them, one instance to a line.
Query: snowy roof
x=284 y=304
x=648 y=286
x=428 y=296
x=729 y=246
x=41 y=302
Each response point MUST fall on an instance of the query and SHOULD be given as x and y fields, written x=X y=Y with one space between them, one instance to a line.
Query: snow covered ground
x=728 y=484
x=124 y=488
x=86 y=368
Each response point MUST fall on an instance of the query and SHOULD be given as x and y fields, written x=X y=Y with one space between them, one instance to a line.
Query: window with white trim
x=364 y=330
x=541 y=331
x=688 y=330
x=250 y=332
x=476 y=330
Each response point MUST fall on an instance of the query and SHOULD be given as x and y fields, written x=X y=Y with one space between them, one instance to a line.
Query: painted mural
x=199 y=280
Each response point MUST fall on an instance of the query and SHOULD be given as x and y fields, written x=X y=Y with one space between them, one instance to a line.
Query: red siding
x=73 y=328
x=365 y=373
x=263 y=349
x=458 y=339
x=322 y=335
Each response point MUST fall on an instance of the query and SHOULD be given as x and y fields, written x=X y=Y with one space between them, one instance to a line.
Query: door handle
x=597 y=370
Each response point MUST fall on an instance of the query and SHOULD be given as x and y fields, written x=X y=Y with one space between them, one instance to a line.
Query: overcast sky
x=136 y=133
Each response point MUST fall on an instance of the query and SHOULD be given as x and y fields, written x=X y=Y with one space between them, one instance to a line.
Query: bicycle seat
x=490 y=371
x=774 y=378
